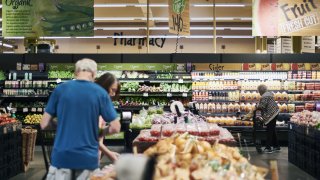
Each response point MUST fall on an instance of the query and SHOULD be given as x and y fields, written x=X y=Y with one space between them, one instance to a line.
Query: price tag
x=5 y=131
x=115 y=106
x=145 y=94
x=180 y=81
x=33 y=109
x=14 y=127
x=39 y=109
x=290 y=126
x=307 y=130
x=58 y=81
x=184 y=94
x=169 y=94
x=25 y=110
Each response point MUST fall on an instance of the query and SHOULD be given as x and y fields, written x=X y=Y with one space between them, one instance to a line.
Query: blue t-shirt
x=77 y=105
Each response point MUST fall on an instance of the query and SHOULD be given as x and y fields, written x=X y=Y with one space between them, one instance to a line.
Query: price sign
x=58 y=81
x=290 y=126
x=25 y=110
x=115 y=106
x=5 y=130
x=145 y=94
x=184 y=94
x=14 y=127
x=169 y=94
x=180 y=81
x=33 y=109
x=39 y=109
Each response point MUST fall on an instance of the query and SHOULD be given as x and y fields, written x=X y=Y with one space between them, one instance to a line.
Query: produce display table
x=144 y=145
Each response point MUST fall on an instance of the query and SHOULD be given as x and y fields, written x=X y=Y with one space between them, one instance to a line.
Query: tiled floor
x=286 y=170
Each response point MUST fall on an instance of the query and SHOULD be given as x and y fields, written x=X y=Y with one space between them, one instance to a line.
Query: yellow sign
x=217 y=66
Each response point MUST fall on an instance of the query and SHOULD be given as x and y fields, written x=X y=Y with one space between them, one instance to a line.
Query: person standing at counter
x=78 y=104
x=269 y=112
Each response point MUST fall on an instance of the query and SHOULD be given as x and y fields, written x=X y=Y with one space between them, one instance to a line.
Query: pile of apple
x=5 y=119
x=33 y=119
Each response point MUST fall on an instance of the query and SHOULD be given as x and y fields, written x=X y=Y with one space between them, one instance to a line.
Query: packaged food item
x=291 y=108
x=155 y=129
x=203 y=129
x=284 y=108
x=236 y=107
x=181 y=128
x=224 y=108
x=168 y=130
x=285 y=96
x=243 y=96
x=192 y=129
x=278 y=96
x=218 y=108
x=214 y=129
x=242 y=107
x=248 y=107
x=230 y=108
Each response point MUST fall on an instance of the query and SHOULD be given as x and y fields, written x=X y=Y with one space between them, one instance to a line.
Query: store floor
x=287 y=171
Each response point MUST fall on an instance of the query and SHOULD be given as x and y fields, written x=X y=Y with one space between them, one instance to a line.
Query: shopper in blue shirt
x=77 y=105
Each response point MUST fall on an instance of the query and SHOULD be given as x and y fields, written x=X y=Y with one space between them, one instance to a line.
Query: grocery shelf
x=221 y=114
x=304 y=80
x=184 y=81
x=138 y=108
x=28 y=88
x=226 y=90
x=35 y=96
x=237 y=79
x=215 y=101
x=157 y=94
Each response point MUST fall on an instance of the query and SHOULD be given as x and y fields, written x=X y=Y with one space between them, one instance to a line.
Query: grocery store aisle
x=287 y=171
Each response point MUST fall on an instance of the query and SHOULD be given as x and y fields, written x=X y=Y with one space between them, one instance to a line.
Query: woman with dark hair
x=110 y=83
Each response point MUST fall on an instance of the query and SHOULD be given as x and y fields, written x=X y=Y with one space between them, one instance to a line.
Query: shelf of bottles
x=226 y=92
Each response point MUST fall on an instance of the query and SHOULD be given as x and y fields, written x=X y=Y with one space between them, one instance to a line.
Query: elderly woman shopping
x=269 y=113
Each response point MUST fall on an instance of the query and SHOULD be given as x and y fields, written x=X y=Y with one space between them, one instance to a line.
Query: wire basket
x=29 y=137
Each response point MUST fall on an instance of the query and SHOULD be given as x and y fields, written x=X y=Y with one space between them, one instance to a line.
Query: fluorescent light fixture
x=119 y=28
x=91 y=37
x=6 y=45
x=201 y=19
x=114 y=18
x=167 y=28
x=109 y=5
x=18 y=37
x=56 y=37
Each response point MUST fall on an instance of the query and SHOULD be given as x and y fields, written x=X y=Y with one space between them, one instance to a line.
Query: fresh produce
x=184 y=157
x=150 y=101
x=163 y=87
x=307 y=118
x=60 y=74
x=228 y=121
x=144 y=118
x=134 y=74
x=33 y=119
x=2 y=76
x=130 y=86
x=5 y=119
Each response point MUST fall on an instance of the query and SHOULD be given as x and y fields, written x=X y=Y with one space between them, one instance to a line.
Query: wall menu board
x=179 y=17
x=34 y=18
x=289 y=17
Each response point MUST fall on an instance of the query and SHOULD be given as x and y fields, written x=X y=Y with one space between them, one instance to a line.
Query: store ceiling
x=129 y=16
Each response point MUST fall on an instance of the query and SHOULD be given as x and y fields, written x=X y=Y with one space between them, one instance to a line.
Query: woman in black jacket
x=269 y=113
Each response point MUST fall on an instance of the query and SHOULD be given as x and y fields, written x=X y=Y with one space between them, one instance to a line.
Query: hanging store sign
x=308 y=44
x=217 y=66
x=35 y=18
x=280 y=67
x=158 y=42
x=179 y=17
x=286 y=17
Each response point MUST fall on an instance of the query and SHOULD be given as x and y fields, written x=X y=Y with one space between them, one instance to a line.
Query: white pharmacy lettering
x=299 y=24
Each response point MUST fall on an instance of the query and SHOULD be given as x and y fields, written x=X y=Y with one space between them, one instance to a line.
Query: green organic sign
x=178 y=6
x=137 y=67
x=61 y=67
x=34 y=18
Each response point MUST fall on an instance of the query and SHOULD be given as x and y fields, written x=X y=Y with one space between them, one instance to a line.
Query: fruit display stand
x=303 y=142
x=11 y=150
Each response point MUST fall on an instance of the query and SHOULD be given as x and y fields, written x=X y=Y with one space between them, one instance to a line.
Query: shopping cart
x=257 y=125
x=47 y=141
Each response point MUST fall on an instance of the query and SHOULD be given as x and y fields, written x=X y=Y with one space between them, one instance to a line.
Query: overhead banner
x=217 y=66
x=36 y=18
x=179 y=17
x=286 y=17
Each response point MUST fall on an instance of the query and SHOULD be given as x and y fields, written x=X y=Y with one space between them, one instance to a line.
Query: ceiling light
x=6 y=45
x=151 y=5
x=56 y=37
x=119 y=28
x=109 y=5
x=18 y=37
x=114 y=18
x=219 y=5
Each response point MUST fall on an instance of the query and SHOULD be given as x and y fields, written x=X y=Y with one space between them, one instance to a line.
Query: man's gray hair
x=262 y=88
x=88 y=65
